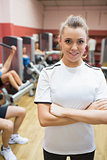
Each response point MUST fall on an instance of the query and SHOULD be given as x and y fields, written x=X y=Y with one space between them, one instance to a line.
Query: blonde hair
x=74 y=22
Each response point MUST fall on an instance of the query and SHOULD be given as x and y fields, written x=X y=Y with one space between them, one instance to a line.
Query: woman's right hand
x=98 y=105
x=57 y=110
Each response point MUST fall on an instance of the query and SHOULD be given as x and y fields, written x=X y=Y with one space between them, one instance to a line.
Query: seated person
x=38 y=53
x=10 y=130
x=26 y=58
x=37 y=50
x=26 y=61
x=11 y=76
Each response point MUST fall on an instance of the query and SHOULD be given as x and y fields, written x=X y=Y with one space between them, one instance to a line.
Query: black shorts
x=1 y=82
x=3 y=111
x=51 y=156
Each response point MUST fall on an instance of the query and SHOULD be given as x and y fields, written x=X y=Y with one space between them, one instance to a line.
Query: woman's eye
x=68 y=41
x=80 y=42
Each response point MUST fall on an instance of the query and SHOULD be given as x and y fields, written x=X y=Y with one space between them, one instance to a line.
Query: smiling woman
x=73 y=38
x=67 y=97
x=73 y=44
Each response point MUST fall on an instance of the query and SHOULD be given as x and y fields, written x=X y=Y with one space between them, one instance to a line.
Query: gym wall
x=95 y=16
x=27 y=17
x=20 y=18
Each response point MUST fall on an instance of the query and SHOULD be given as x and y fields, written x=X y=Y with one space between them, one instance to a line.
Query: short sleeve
x=43 y=89
x=101 y=92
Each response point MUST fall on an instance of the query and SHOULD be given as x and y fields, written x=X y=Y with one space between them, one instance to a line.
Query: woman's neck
x=72 y=64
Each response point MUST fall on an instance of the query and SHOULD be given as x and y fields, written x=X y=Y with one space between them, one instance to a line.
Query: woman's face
x=73 y=43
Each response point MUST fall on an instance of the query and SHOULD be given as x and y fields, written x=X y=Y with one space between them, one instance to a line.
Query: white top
x=91 y=44
x=70 y=87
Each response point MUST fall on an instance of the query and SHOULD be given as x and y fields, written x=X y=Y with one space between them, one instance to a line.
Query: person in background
x=91 y=51
x=71 y=96
x=10 y=129
x=11 y=76
x=37 y=50
x=26 y=58
x=26 y=62
x=38 y=53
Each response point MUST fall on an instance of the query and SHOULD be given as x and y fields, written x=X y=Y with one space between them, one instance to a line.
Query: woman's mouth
x=73 y=54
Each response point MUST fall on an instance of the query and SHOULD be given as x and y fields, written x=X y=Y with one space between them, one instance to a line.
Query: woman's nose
x=74 y=47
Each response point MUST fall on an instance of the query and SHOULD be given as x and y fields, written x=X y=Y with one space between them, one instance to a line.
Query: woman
x=66 y=98
x=11 y=76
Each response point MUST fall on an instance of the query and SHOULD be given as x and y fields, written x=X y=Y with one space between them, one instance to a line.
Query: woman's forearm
x=90 y=116
x=48 y=119
x=87 y=116
x=51 y=120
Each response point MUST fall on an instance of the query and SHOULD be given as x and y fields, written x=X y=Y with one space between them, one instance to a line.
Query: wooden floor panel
x=30 y=128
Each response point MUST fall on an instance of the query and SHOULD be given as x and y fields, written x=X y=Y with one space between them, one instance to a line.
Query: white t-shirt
x=70 y=87
x=91 y=44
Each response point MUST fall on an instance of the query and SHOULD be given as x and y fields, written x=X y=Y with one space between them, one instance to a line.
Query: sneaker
x=16 y=138
x=7 y=153
x=20 y=88
x=23 y=85
x=26 y=83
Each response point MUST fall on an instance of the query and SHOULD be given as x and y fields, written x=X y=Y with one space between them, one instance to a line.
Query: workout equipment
x=43 y=59
x=29 y=44
x=47 y=54
x=104 y=53
x=17 y=65
x=45 y=41
x=5 y=45
x=104 y=56
x=31 y=70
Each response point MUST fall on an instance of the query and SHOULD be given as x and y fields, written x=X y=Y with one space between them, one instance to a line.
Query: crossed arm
x=46 y=118
x=55 y=115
